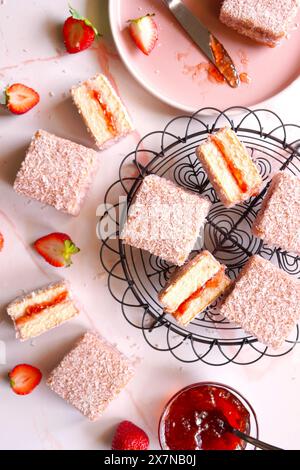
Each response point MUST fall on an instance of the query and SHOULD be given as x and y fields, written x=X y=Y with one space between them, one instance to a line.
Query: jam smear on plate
x=196 y=420
x=214 y=75
x=1 y=241
x=245 y=78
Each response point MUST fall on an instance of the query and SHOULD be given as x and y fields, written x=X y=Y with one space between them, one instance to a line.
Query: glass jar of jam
x=195 y=419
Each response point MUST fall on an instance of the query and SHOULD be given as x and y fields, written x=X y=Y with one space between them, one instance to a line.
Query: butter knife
x=206 y=41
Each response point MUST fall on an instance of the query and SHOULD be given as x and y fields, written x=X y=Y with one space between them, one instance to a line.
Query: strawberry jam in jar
x=195 y=419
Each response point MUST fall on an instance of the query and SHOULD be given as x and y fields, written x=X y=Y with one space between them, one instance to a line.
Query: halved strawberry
x=20 y=98
x=79 y=33
x=57 y=249
x=24 y=378
x=144 y=32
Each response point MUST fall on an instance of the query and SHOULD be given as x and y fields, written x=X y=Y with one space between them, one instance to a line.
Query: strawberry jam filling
x=34 y=310
x=234 y=170
x=197 y=419
x=108 y=116
x=210 y=284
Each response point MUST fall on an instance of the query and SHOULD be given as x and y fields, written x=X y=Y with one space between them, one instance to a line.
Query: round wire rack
x=135 y=277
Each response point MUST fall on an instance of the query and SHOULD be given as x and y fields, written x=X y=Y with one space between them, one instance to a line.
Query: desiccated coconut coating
x=265 y=21
x=57 y=172
x=278 y=222
x=165 y=219
x=265 y=302
x=91 y=375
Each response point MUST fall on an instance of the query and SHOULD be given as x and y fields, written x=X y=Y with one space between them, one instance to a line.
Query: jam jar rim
x=232 y=390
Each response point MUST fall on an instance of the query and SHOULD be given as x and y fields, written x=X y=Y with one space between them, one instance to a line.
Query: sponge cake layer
x=102 y=110
x=188 y=280
x=42 y=310
x=230 y=168
x=206 y=296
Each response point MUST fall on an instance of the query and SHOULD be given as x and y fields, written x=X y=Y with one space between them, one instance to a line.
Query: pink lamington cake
x=165 y=219
x=278 y=222
x=265 y=302
x=43 y=309
x=91 y=375
x=265 y=21
x=102 y=110
x=57 y=172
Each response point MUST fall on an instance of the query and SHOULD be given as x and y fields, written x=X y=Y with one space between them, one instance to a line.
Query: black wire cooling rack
x=135 y=276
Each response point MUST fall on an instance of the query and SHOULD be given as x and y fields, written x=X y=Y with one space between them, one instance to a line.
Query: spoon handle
x=253 y=441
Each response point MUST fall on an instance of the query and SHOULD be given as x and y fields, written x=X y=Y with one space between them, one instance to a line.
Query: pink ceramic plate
x=175 y=72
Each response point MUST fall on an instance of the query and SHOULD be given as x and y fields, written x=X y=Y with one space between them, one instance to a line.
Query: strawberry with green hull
x=19 y=98
x=24 y=379
x=78 y=32
x=57 y=249
x=144 y=32
x=128 y=436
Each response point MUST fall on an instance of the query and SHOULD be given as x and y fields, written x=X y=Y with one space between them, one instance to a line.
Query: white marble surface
x=31 y=51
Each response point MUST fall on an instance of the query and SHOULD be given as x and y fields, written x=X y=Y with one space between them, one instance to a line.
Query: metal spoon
x=251 y=440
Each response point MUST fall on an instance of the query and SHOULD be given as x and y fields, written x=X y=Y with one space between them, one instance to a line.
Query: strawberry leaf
x=4 y=98
x=74 y=13
x=69 y=249
x=88 y=23
x=77 y=16
x=136 y=20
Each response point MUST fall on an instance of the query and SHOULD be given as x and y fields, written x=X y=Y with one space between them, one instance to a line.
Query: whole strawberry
x=128 y=436
x=57 y=249
x=78 y=32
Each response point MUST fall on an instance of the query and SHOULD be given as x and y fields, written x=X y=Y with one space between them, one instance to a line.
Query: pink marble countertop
x=31 y=51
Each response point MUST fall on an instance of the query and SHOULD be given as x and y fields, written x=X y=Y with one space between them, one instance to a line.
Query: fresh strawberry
x=144 y=32
x=128 y=436
x=78 y=32
x=57 y=249
x=24 y=378
x=20 y=98
x=1 y=241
